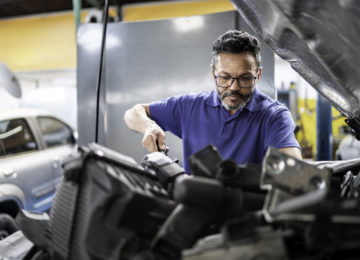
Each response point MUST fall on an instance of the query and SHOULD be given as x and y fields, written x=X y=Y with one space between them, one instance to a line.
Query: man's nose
x=235 y=84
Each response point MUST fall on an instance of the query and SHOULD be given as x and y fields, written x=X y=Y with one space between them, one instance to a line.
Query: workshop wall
x=38 y=42
x=156 y=10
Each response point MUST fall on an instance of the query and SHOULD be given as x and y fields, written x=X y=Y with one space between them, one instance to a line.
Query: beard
x=243 y=99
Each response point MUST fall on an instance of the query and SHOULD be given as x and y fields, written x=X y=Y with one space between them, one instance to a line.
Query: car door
x=25 y=171
x=59 y=143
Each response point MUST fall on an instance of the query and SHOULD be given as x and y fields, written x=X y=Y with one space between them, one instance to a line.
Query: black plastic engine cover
x=107 y=207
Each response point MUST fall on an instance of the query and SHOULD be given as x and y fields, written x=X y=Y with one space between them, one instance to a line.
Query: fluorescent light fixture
x=186 y=24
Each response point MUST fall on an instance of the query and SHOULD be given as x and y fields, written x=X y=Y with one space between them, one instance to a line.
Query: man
x=237 y=118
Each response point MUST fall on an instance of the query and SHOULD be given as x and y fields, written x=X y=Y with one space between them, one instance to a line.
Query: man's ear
x=259 y=73
x=212 y=69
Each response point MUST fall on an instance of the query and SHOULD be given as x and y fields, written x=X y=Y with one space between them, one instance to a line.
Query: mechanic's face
x=233 y=93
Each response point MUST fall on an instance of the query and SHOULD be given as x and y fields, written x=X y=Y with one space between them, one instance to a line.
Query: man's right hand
x=154 y=137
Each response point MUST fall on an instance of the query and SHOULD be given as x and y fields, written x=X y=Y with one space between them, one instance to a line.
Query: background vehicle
x=33 y=144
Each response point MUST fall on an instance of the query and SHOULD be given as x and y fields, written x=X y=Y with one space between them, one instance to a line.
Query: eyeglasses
x=247 y=81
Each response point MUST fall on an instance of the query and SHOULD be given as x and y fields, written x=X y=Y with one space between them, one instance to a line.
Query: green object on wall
x=77 y=12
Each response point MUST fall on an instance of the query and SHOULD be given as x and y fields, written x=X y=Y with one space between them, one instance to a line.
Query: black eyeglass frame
x=235 y=78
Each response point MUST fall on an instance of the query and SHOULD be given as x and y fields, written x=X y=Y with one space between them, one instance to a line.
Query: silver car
x=33 y=144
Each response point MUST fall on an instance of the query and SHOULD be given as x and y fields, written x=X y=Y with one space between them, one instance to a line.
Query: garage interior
x=52 y=50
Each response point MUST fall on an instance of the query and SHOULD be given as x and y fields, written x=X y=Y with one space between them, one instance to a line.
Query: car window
x=55 y=132
x=16 y=137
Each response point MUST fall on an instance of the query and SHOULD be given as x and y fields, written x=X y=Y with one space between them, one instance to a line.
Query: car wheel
x=7 y=225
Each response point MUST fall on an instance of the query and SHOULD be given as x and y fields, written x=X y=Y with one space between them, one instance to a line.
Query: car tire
x=7 y=225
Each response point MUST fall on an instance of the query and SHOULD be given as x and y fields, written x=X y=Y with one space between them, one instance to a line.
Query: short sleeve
x=280 y=131
x=167 y=114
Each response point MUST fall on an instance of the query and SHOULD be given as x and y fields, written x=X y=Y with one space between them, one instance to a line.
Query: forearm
x=137 y=118
x=292 y=151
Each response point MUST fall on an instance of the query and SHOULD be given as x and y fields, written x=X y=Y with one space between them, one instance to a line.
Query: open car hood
x=320 y=39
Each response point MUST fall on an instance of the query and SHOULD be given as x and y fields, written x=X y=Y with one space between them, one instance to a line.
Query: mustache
x=233 y=93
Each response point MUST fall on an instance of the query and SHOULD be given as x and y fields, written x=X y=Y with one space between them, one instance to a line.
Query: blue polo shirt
x=200 y=120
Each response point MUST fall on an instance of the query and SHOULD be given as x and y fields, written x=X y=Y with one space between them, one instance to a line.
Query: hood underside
x=320 y=39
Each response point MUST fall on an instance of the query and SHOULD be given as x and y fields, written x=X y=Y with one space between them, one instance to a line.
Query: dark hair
x=234 y=41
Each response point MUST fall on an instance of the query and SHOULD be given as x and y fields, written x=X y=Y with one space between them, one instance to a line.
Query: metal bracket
x=292 y=184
